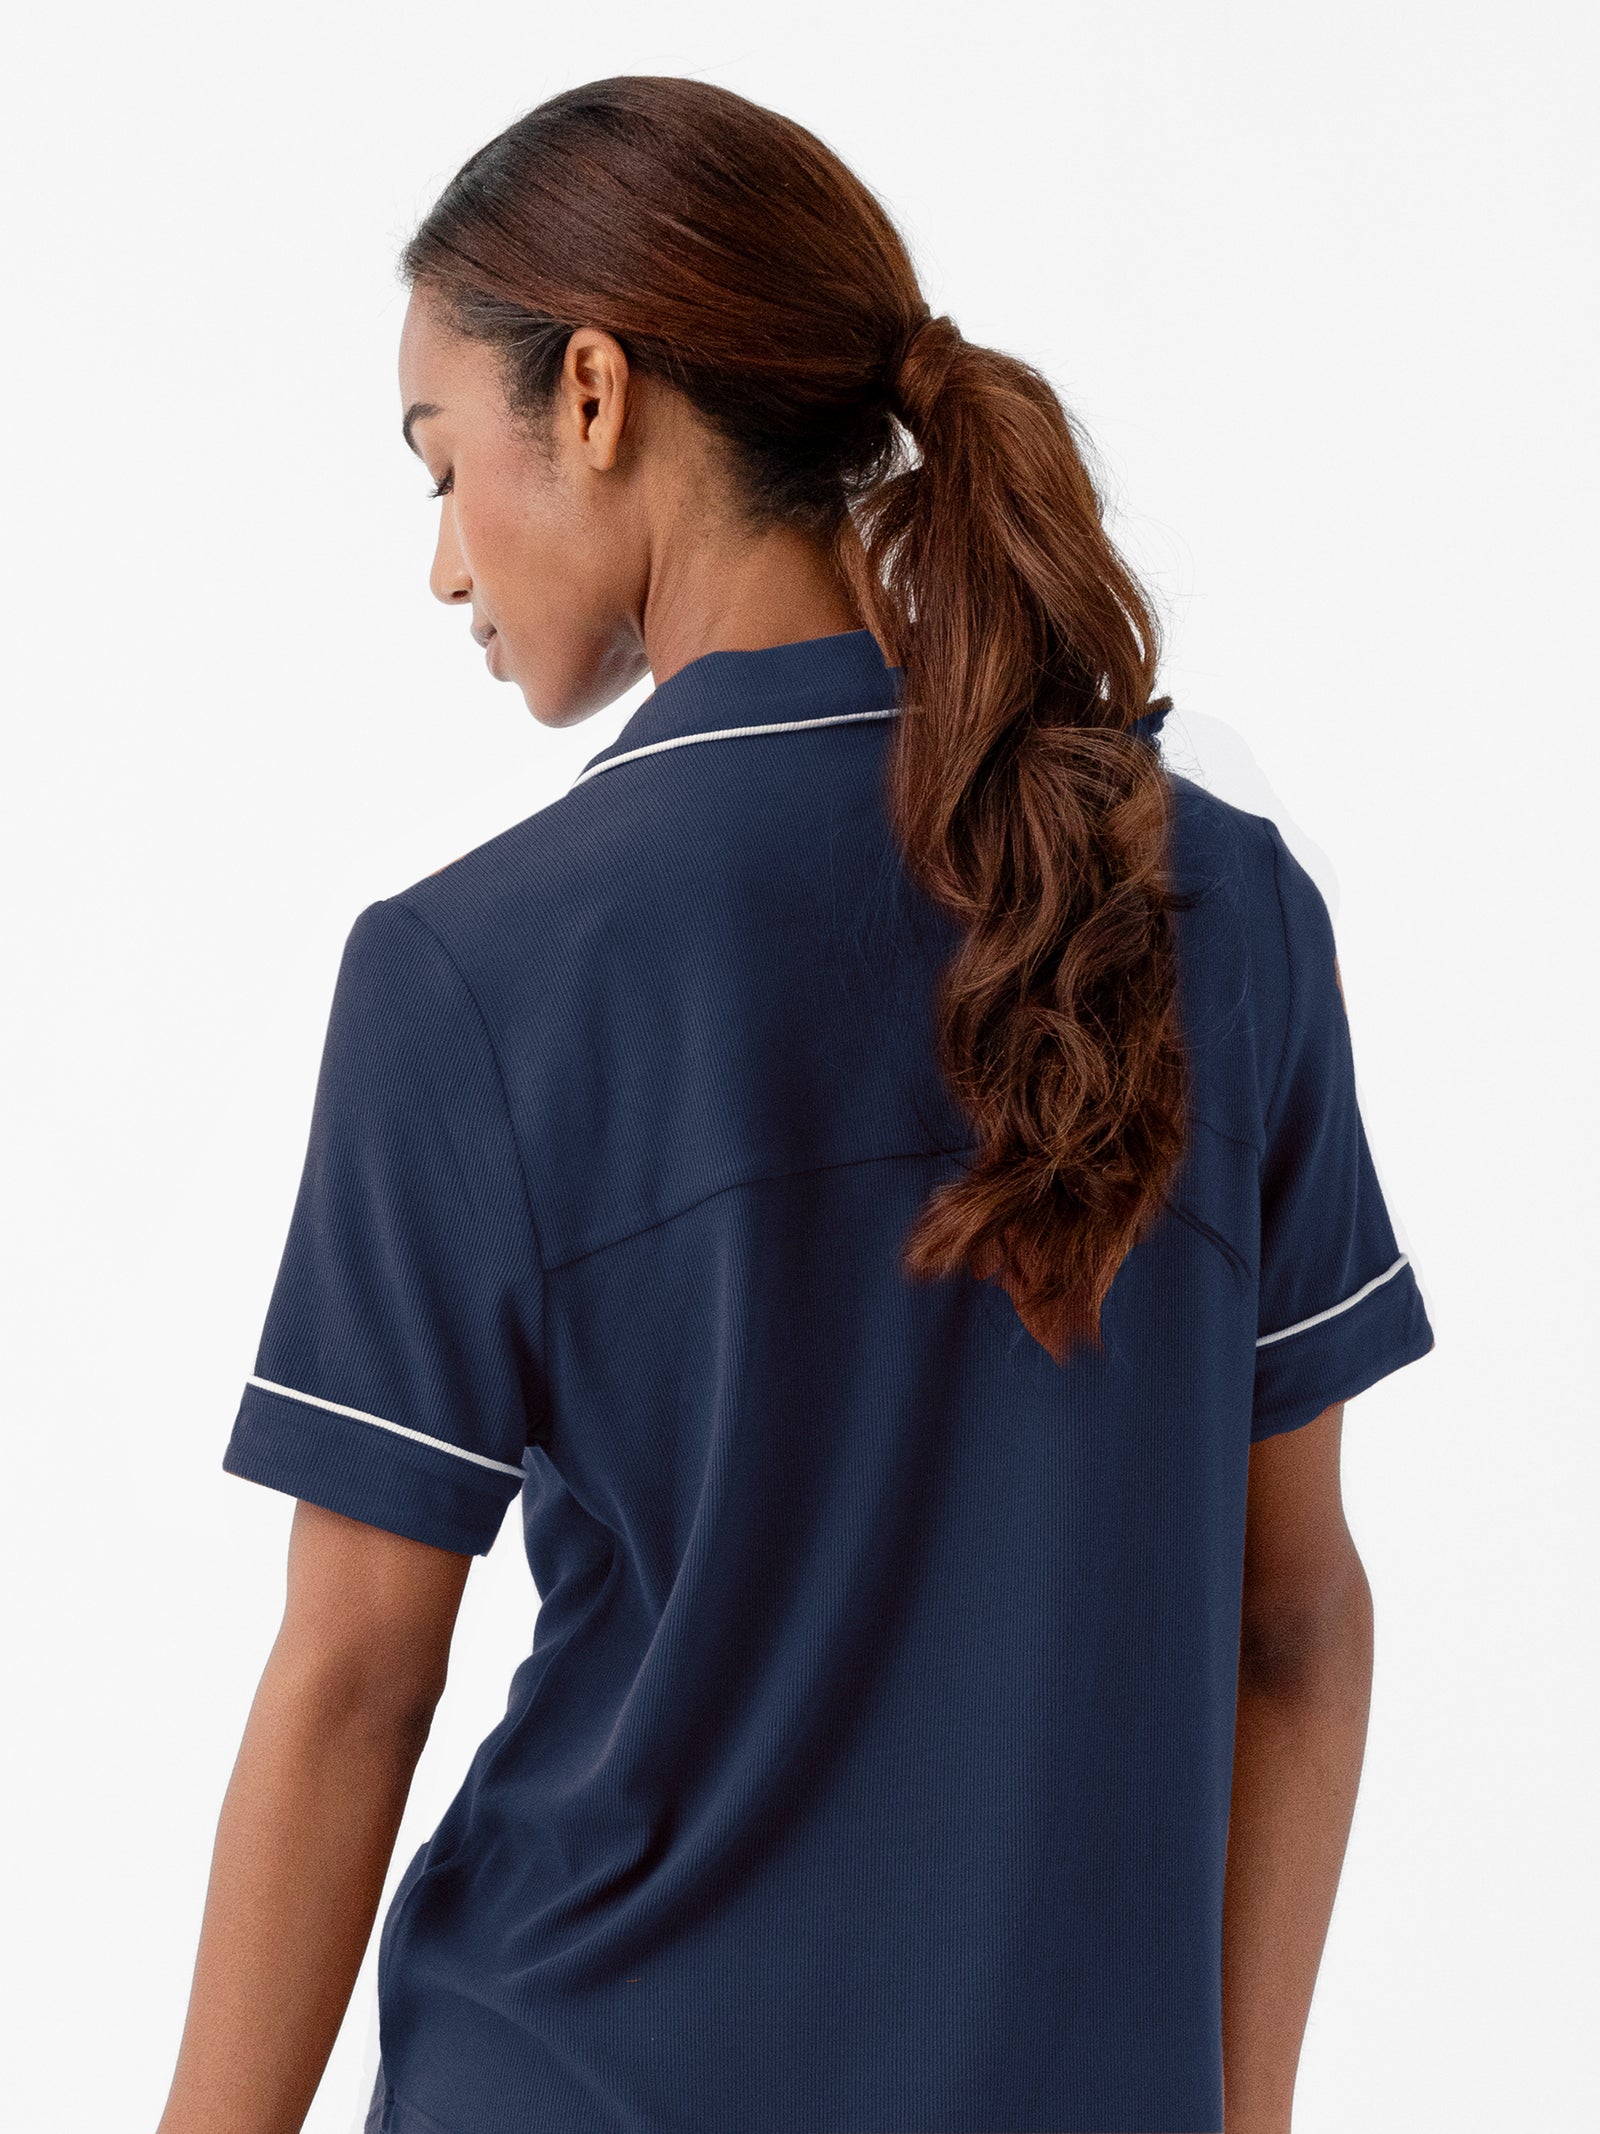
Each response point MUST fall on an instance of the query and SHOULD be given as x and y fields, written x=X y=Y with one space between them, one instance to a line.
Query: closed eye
x=444 y=487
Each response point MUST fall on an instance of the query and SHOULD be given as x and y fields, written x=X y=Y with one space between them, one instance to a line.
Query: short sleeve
x=1339 y=1306
x=398 y=1378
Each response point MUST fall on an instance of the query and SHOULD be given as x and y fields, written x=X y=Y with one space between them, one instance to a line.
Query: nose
x=449 y=580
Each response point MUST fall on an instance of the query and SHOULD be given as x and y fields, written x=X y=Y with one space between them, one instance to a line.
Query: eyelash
x=443 y=488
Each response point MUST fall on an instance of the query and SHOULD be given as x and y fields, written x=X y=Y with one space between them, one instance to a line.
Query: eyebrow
x=416 y=413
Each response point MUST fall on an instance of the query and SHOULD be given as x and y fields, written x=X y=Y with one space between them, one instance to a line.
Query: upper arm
x=369 y=1613
x=1301 y=1570
x=1295 y=1527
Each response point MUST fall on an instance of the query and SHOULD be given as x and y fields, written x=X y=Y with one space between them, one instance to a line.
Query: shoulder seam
x=499 y=1074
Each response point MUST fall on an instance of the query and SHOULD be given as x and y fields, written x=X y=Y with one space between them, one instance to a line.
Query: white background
x=1317 y=281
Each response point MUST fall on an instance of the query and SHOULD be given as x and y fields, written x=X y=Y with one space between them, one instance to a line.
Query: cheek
x=507 y=547
x=551 y=589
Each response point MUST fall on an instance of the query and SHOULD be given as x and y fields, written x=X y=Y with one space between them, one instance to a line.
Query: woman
x=876 y=1167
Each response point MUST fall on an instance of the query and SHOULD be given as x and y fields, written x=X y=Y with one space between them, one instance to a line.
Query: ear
x=595 y=381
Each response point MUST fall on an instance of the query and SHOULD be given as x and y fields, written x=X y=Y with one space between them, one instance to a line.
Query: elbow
x=362 y=1696
x=409 y=1728
x=1311 y=1641
x=396 y=1703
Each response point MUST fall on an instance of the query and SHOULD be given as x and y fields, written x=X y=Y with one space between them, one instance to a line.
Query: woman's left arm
x=309 y=1819
x=1305 y=1681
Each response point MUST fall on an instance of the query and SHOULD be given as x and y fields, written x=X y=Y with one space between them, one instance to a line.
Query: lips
x=481 y=634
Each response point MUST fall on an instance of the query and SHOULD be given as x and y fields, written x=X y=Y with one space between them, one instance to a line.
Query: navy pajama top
x=869 y=1771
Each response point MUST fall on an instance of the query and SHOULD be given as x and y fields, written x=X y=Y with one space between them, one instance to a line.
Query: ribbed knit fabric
x=869 y=1772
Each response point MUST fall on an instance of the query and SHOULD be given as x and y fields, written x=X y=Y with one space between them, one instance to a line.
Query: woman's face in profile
x=541 y=538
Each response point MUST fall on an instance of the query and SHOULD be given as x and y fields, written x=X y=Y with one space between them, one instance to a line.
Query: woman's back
x=871 y=1766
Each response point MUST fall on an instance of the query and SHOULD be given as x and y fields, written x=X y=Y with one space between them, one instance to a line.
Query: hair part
x=734 y=256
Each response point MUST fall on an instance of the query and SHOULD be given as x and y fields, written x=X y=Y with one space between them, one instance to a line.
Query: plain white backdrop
x=1318 y=281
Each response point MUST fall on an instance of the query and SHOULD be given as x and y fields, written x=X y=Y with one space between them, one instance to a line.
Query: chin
x=573 y=697
x=550 y=706
x=555 y=713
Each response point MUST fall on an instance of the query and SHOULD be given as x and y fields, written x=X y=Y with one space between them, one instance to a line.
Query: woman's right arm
x=309 y=1820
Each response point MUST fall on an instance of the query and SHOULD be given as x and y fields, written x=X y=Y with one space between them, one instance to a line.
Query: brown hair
x=734 y=255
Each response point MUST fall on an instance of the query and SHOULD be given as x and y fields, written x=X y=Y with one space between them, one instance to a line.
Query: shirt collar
x=819 y=678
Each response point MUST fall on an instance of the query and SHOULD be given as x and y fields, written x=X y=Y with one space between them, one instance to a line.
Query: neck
x=741 y=592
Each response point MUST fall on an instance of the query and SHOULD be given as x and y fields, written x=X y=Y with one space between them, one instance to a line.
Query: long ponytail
x=1030 y=810
x=736 y=257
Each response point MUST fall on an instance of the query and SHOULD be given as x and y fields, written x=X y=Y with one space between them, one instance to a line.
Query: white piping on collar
x=731 y=733
x=1334 y=1310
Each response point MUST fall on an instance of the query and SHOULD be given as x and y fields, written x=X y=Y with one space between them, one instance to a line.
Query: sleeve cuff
x=1337 y=1354
x=367 y=1472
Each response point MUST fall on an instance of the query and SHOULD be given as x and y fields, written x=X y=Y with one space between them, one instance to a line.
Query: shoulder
x=1218 y=848
x=1251 y=919
x=1238 y=864
x=442 y=960
x=522 y=896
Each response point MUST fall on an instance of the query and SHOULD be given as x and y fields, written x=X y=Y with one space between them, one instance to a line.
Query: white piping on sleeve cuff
x=359 y=1415
x=1300 y=1326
